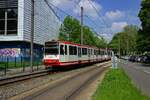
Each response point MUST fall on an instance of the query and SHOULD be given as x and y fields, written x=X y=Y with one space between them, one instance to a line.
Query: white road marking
x=148 y=72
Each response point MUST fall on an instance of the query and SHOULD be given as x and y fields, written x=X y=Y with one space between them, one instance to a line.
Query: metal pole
x=5 y=22
x=119 y=48
x=106 y=49
x=127 y=45
x=32 y=36
x=15 y=62
x=81 y=25
x=68 y=37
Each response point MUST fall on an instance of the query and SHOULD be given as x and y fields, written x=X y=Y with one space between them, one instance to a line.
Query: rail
x=99 y=69
x=17 y=78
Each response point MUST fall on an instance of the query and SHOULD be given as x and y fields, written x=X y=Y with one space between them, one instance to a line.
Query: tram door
x=79 y=53
x=66 y=53
x=89 y=55
x=62 y=53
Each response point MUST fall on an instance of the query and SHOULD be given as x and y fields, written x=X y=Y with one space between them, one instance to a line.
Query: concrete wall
x=46 y=26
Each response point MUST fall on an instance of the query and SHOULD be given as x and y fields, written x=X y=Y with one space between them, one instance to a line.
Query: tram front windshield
x=51 y=50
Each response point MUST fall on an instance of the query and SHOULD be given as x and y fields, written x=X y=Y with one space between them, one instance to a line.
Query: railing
x=20 y=64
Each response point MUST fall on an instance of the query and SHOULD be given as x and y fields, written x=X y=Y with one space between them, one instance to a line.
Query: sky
x=105 y=17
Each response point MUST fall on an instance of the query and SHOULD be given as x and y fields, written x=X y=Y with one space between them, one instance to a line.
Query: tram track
x=75 y=88
x=11 y=88
x=25 y=76
x=85 y=84
x=22 y=77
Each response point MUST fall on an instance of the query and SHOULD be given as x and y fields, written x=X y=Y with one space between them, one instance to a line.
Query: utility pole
x=127 y=44
x=32 y=37
x=119 y=48
x=81 y=25
x=106 y=49
x=5 y=22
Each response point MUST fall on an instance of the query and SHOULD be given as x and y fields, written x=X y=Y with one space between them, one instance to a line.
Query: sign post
x=114 y=61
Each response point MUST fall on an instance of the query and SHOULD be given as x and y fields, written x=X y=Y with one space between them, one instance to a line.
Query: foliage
x=71 y=31
x=143 y=41
x=117 y=86
x=125 y=40
x=138 y=41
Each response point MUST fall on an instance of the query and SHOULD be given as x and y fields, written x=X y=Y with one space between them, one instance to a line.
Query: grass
x=117 y=86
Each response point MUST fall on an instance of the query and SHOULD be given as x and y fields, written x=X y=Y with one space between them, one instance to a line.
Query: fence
x=22 y=64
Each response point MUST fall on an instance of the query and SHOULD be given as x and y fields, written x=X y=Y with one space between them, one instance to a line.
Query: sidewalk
x=138 y=74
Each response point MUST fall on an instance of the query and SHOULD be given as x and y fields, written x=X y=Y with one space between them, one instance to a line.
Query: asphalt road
x=139 y=73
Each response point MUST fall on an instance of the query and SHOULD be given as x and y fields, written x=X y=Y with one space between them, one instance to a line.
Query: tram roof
x=75 y=44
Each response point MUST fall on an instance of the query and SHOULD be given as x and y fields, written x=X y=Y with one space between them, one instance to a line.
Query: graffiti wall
x=11 y=52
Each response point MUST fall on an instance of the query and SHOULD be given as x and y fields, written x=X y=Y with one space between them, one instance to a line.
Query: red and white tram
x=63 y=53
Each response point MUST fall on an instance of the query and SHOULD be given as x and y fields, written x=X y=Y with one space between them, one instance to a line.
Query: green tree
x=130 y=32
x=71 y=31
x=143 y=40
x=88 y=36
x=115 y=42
x=125 y=40
x=100 y=42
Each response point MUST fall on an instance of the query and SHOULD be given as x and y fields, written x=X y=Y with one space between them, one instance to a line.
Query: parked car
x=132 y=58
x=139 y=58
x=145 y=59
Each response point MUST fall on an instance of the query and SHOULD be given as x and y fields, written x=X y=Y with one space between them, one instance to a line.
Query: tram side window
x=91 y=52
x=75 y=50
x=84 y=51
x=79 y=52
x=61 y=49
x=65 y=49
x=97 y=52
x=94 y=52
x=72 y=50
x=100 y=52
